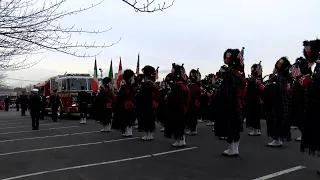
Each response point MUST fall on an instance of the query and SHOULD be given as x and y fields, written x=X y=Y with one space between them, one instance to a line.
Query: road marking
x=98 y=164
x=16 y=120
x=14 y=123
x=28 y=126
x=67 y=146
x=279 y=173
x=17 y=132
x=53 y=136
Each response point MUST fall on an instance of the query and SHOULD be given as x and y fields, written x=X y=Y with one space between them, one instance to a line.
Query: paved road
x=67 y=150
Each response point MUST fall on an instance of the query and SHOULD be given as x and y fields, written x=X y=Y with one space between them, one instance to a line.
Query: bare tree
x=2 y=80
x=148 y=5
x=26 y=29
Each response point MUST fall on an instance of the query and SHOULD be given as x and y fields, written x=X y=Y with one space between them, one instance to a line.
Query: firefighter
x=23 y=100
x=83 y=99
x=7 y=103
x=34 y=105
x=55 y=103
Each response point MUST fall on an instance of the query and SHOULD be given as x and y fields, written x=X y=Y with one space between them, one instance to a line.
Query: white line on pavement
x=28 y=126
x=279 y=173
x=43 y=137
x=67 y=146
x=16 y=120
x=17 y=132
x=98 y=164
x=15 y=123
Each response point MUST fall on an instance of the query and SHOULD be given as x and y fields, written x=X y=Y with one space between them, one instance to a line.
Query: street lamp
x=101 y=70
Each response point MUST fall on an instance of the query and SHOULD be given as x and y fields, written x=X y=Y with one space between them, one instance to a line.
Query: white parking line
x=14 y=123
x=98 y=164
x=43 y=137
x=16 y=120
x=279 y=173
x=28 y=126
x=67 y=146
x=17 y=132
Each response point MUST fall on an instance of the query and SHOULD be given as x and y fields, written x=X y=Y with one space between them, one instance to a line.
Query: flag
x=157 y=73
x=120 y=78
x=94 y=84
x=240 y=56
x=111 y=71
x=138 y=65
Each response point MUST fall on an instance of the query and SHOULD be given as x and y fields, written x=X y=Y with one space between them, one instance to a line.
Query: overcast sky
x=195 y=34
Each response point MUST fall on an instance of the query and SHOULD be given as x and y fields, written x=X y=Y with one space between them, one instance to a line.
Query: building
x=8 y=92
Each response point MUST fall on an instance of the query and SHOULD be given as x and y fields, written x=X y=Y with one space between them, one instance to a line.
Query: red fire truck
x=67 y=86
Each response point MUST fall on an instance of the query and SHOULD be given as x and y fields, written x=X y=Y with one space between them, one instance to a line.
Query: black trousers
x=35 y=118
x=6 y=107
x=83 y=110
x=18 y=107
x=23 y=110
x=54 y=113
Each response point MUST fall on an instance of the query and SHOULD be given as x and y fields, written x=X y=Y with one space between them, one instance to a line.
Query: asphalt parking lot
x=67 y=150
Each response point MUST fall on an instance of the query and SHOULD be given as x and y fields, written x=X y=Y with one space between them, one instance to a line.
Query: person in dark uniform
x=6 y=103
x=17 y=103
x=55 y=102
x=83 y=99
x=43 y=106
x=23 y=100
x=35 y=105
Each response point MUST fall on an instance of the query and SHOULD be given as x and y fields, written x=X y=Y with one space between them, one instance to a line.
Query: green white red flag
x=94 y=84
x=120 y=76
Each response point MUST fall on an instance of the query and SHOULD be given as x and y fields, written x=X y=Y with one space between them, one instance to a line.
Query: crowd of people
x=288 y=97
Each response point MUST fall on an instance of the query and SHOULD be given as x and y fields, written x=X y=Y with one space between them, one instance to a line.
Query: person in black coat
x=23 y=100
x=34 y=105
x=104 y=103
x=17 y=103
x=83 y=99
x=55 y=103
x=6 y=103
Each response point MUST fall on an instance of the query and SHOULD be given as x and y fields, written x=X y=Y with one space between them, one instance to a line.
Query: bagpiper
x=231 y=92
x=177 y=105
x=124 y=108
x=148 y=102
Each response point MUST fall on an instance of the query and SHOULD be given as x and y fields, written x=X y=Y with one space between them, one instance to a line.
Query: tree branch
x=26 y=29
x=146 y=7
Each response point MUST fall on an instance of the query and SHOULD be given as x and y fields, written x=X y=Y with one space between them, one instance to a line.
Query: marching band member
x=161 y=110
x=139 y=111
x=104 y=103
x=277 y=100
x=177 y=105
x=253 y=100
x=300 y=68
x=124 y=110
x=230 y=95
x=147 y=102
x=194 y=105
x=220 y=125
x=310 y=141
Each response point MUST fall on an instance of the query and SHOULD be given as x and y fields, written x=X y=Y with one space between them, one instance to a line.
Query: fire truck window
x=75 y=84
x=64 y=85
x=89 y=84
